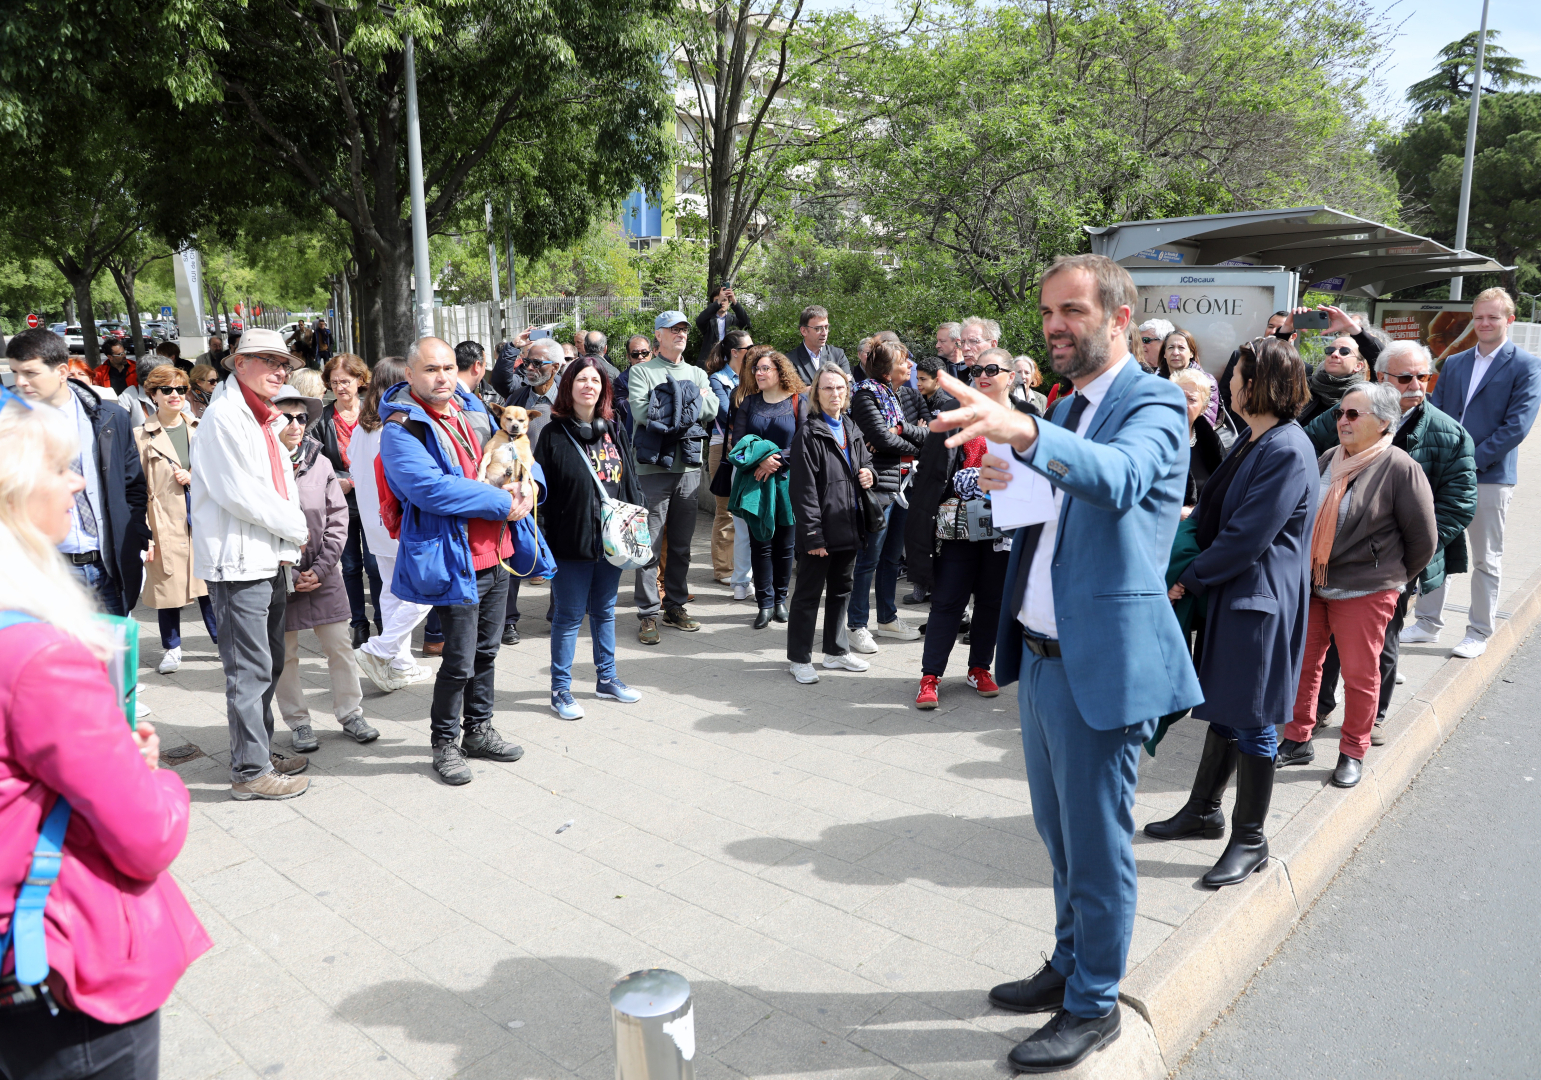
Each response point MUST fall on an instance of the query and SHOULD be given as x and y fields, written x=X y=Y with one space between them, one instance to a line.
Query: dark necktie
x=1030 y=539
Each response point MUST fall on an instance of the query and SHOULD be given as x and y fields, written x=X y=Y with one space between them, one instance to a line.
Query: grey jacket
x=326 y=515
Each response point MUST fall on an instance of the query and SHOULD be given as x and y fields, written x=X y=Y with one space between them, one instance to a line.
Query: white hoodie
x=242 y=527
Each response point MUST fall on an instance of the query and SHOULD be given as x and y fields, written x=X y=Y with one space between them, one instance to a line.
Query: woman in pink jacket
x=118 y=931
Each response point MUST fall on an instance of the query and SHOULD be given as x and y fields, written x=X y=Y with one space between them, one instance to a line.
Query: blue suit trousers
x=1082 y=784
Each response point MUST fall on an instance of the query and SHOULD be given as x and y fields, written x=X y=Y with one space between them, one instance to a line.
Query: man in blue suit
x=1494 y=390
x=1087 y=629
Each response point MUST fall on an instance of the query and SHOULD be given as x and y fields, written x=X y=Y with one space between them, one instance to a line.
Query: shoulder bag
x=623 y=529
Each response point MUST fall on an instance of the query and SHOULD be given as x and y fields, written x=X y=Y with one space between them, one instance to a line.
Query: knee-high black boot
x=1248 y=847
x=1202 y=816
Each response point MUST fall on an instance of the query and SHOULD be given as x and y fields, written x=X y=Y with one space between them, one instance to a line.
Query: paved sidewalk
x=840 y=876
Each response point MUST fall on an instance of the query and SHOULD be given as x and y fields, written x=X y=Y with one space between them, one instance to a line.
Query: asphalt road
x=1423 y=958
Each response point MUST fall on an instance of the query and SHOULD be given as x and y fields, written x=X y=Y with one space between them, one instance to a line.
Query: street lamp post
x=421 y=269
x=1464 y=209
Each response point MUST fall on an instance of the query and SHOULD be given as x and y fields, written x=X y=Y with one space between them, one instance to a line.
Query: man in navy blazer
x=1494 y=390
x=1088 y=632
x=815 y=351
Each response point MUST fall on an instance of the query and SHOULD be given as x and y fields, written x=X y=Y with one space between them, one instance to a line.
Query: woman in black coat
x=830 y=466
x=1253 y=524
x=887 y=410
x=582 y=443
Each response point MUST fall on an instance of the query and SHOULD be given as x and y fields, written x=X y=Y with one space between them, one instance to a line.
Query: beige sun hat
x=258 y=340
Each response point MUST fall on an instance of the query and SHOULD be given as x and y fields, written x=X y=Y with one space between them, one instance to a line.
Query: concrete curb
x=1193 y=976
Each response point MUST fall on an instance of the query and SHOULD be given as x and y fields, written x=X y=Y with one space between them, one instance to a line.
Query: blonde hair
x=1193 y=377
x=816 y=399
x=1497 y=296
x=33 y=576
x=308 y=381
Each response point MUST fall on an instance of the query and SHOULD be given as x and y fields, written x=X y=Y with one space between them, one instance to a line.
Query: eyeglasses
x=296 y=417
x=1351 y=415
x=642 y=354
x=1406 y=379
x=273 y=363
x=1339 y=350
x=991 y=370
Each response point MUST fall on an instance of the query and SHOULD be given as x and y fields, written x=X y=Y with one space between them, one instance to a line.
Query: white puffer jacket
x=242 y=527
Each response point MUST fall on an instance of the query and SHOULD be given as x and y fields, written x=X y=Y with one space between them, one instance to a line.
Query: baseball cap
x=670 y=318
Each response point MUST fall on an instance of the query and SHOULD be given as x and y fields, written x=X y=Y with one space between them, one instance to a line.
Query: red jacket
x=101 y=378
x=120 y=933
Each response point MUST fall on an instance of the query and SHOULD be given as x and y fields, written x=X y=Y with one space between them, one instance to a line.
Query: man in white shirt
x=1494 y=390
x=1088 y=632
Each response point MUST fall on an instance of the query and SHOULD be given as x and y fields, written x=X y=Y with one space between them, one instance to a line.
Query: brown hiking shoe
x=286 y=765
x=647 y=633
x=270 y=786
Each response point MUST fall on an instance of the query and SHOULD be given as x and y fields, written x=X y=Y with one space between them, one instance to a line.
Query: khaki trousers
x=722 y=523
x=347 y=697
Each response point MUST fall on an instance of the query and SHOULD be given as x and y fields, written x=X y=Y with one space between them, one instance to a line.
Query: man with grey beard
x=1088 y=631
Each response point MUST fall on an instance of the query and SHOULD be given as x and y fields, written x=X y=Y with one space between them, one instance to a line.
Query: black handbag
x=722 y=480
x=871 y=509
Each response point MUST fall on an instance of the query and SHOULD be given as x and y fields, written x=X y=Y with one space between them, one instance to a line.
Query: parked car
x=111 y=330
x=74 y=339
x=58 y=328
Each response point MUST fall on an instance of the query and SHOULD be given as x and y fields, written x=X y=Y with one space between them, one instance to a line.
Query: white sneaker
x=804 y=673
x=1400 y=678
x=898 y=629
x=171 y=661
x=140 y=708
x=1417 y=635
x=377 y=670
x=414 y=674
x=1470 y=648
x=848 y=662
x=741 y=592
x=860 y=640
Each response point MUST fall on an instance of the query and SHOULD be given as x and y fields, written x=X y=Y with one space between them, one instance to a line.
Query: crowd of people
x=1313 y=510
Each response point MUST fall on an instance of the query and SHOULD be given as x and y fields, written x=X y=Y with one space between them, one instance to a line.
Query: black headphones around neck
x=589 y=432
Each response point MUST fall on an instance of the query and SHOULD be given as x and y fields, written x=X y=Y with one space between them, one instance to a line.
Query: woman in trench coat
x=165 y=444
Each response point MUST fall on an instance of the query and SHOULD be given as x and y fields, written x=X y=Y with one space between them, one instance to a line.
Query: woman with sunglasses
x=165 y=454
x=1375 y=532
x=204 y=380
x=1252 y=527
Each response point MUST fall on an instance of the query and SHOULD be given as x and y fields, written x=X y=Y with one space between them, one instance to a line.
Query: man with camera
x=722 y=313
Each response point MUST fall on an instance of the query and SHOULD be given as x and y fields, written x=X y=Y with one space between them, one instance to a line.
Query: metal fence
x=490 y=323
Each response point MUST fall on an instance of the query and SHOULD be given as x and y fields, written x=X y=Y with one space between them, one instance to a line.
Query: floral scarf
x=887 y=400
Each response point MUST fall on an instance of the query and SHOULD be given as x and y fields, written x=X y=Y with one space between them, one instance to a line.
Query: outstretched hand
x=982 y=417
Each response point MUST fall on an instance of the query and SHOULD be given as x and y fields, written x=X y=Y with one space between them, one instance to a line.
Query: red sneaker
x=926 y=699
x=979 y=679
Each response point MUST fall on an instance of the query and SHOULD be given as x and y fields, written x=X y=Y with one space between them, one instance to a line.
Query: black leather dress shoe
x=1043 y=991
x=360 y=634
x=1064 y=1042
x=511 y=634
x=1294 y=753
x=780 y=614
x=763 y=619
x=1348 y=771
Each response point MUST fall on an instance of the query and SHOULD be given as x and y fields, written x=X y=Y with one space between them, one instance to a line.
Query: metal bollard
x=655 y=1027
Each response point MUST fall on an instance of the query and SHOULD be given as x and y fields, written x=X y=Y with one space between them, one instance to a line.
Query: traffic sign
x=165 y=312
x=33 y=322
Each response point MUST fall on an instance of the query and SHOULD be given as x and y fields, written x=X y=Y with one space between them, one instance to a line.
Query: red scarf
x=265 y=417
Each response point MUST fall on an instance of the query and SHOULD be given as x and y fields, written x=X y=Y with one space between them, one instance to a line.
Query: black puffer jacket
x=824 y=487
x=931 y=483
x=325 y=432
x=887 y=448
x=570 y=515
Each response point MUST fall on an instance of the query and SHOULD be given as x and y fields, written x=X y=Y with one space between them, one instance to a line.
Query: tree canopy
x=1453 y=75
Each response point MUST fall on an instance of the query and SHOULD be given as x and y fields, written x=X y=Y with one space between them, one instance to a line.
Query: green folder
x=123 y=665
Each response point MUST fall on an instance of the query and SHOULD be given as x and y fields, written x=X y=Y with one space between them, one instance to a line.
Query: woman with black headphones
x=582 y=441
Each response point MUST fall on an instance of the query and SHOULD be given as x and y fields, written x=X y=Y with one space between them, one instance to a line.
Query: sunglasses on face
x=179 y=391
x=1351 y=415
x=639 y=354
x=1148 y=340
x=296 y=417
x=1406 y=379
x=1339 y=350
x=991 y=370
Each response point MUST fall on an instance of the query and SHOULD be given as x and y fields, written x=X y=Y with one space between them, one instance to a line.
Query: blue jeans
x=1259 y=742
x=356 y=563
x=879 y=559
x=583 y=586
x=170 y=619
x=99 y=583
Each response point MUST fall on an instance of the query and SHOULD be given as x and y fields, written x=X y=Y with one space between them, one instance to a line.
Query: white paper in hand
x=1027 y=499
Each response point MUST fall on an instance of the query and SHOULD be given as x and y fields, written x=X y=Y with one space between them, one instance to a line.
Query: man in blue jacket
x=454 y=545
x=1087 y=629
x=1494 y=390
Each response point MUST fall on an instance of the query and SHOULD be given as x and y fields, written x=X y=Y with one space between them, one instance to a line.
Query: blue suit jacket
x=1124 y=654
x=1501 y=412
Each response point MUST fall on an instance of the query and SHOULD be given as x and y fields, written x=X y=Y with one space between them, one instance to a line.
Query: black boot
x=1202 y=816
x=1248 y=847
x=763 y=619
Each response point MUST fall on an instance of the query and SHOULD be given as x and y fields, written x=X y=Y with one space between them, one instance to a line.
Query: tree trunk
x=80 y=283
x=125 y=283
x=393 y=296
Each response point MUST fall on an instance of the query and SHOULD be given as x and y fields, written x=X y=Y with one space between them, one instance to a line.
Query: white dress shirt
x=1479 y=370
x=1038 y=598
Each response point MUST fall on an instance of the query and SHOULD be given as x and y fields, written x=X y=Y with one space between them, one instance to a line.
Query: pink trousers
x=1359 y=628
